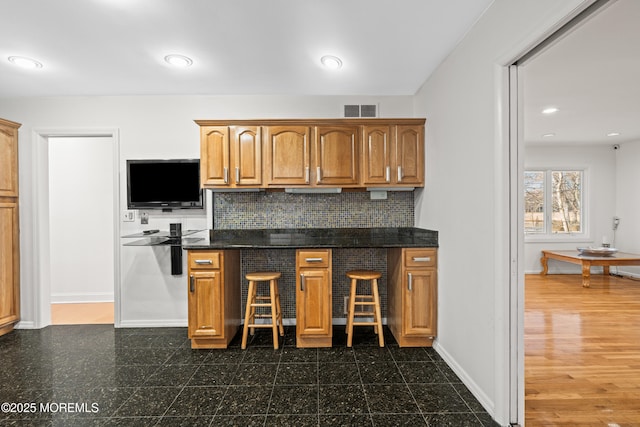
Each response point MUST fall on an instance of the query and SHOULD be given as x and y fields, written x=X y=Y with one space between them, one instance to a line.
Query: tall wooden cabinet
x=313 y=298
x=9 y=227
x=412 y=295
x=214 y=297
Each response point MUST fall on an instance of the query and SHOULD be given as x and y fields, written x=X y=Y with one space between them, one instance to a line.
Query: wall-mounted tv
x=164 y=184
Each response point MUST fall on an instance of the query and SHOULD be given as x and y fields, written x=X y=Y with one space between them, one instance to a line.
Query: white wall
x=599 y=200
x=627 y=237
x=467 y=171
x=147 y=127
x=81 y=219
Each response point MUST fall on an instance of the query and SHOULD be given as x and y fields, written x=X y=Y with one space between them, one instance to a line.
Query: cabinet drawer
x=313 y=258
x=420 y=258
x=204 y=260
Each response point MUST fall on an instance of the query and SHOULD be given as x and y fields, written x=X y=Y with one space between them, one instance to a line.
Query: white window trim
x=585 y=235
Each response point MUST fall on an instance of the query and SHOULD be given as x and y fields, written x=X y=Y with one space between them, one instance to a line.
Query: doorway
x=81 y=224
x=77 y=227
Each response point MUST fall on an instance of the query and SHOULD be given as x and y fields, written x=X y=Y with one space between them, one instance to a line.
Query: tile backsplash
x=266 y=210
x=284 y=210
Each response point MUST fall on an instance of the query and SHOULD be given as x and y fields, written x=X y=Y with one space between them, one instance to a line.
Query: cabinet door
x=9 y=265
x=376 y=155
x=336 y=155
x=409 y=155
x=214 y=156
x=8 y=161
x=313 y=302
x=206 y=316
x=247 y=152
x=287 y=155
x=419 y=316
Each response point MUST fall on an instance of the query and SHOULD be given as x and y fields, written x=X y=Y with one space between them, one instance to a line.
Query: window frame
x=547 y=235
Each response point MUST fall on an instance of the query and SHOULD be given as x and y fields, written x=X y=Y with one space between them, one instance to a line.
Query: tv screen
x=164 y=184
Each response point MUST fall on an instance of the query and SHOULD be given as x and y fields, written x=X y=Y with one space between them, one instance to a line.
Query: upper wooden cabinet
x=279 y=153
x=287 y=155
x=231 y=156
x=336 y=155
x=8 y=158
x=392 y=155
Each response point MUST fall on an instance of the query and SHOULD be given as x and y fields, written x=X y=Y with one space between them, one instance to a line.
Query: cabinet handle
x=203 y=262
x=421 y=258
x=388 y=174
x=226 y=175
x=192 y=284
x=313 y=259
x=410 y=281
x=302 y=282
x=306 y=174
x=318 y=174
x=237 y=175
x=399 y=173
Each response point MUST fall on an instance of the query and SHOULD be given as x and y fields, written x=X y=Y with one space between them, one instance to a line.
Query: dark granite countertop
x=409 y=237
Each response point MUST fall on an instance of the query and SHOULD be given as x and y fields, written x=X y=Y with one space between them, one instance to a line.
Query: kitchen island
x=215 y=281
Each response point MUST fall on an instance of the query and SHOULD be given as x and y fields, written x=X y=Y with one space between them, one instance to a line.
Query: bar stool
x=372 y=299
x=254 y=301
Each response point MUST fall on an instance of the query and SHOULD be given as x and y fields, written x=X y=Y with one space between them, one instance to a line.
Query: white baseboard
x=26 y=324
x=480 y=395
x=85 y=297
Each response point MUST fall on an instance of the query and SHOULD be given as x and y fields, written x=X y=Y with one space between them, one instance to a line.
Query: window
x=553 y=202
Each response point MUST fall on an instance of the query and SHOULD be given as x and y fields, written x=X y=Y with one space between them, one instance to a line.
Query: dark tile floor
x=96 y=375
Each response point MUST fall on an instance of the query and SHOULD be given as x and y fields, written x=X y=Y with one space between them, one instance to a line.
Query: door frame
x=42 y=265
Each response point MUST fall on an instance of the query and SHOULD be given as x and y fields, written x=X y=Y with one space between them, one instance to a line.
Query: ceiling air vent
x=361 y=110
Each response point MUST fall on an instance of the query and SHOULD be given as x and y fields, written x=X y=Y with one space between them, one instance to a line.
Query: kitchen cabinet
x=313 y=298
x=412 y=295
x=214 y=296
x=392 y=156
x=327 y=153
x=287 y=155
x=230 y=156
x=9 y=227
x=336 y=155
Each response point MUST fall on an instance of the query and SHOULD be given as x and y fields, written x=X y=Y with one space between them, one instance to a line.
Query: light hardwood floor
x=82 y=313
x=582 y=351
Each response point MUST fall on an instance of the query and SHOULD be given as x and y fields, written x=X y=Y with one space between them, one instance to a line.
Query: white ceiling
x=593 y=76
x=116 y=47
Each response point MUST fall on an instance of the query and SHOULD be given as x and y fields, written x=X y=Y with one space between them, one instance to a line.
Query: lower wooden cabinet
x=9 y=266
x=214 y=297
x=313 y=298
x=412 y=296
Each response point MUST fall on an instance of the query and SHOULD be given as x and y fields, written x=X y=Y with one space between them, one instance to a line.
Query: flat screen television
x=164 y=184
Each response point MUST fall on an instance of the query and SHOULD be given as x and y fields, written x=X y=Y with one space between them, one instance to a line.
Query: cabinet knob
x=388 y=173
x=302 y=282
x=399 y=173
x=192 y=283
x=410 y=281
x=421 y=258
x=318 y=175
x=313 y=259
x=203 y=261
x=237 y=175
x=226 y=175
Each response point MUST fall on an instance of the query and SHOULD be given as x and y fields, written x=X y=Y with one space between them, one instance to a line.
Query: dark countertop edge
x=413 y=238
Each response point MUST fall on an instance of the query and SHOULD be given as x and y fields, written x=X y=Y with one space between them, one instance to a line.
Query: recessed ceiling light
x=180 y=61
x=549 y=135
x=24 y=62
x=613 y=134
x=550 y=110
x=331 y=62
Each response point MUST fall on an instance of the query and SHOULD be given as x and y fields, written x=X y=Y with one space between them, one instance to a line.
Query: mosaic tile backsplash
x=282 y=210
